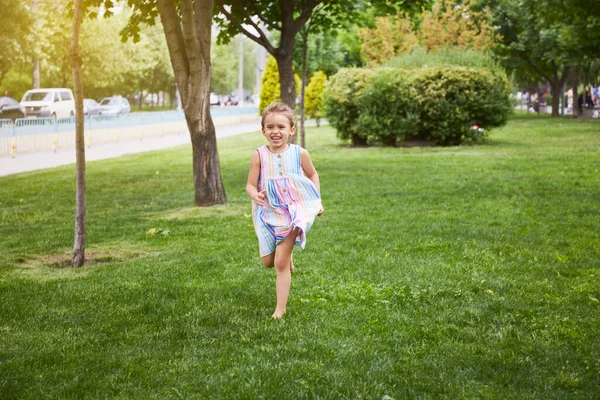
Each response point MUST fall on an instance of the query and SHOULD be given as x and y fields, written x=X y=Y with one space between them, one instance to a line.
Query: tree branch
x=174 y=37
x=307 y=12
x=526 y=58
x=203 y=19
x=270 y=25
x=190 y=40
x=261 y=40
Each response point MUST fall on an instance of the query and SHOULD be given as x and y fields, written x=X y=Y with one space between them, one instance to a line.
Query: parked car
x=90 y=107
x=10 y=108
x=53 y=102
x=214 y=100
x=115 y=105
x=232 y=100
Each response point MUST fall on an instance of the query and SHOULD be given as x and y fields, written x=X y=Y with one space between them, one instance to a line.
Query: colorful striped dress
x=292 y=200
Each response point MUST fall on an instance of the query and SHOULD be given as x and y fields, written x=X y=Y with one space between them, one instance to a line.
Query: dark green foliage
x=439 y=103
x=450 y=100
x=341 y=106
x=387 y=108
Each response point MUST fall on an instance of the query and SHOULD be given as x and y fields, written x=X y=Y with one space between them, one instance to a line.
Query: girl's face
x=278 y=130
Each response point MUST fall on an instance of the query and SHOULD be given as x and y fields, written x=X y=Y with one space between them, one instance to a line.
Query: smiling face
x=277 y=129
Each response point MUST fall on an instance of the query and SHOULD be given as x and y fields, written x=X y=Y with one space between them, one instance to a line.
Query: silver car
x=90 y=107
x=115 y=105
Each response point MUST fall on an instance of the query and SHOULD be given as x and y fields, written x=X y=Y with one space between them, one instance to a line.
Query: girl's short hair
x=277 y=107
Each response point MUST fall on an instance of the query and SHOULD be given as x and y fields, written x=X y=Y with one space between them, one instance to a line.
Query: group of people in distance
x=588 y=98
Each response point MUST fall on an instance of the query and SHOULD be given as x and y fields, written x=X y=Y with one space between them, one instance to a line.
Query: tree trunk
x=78 y=256
x=286 y=81
x=189 y=41
x=574 y=81
x=208 y=183
x=35 y=73
x=556 y=86
x=556 y=91
x=303 y=88
x=586 y=70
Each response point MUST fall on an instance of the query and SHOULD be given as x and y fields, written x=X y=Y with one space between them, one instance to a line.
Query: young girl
x=284 y=187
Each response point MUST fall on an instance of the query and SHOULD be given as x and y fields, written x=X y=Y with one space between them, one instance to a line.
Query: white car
x=115 y=105
x=90 y=107
x=54 y=102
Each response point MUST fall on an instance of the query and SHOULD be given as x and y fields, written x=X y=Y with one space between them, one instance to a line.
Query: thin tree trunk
x=303 y=89
x=78 y=256
x=35 y=73
x=556 y=86
x=574 y=81
x=586 y=70
x=556 y=91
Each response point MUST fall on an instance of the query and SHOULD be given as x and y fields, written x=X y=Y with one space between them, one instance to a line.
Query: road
x=43 y=160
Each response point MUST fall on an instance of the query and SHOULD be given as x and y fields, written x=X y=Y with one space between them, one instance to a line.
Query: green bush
x=270 y=88
x=440 y=103
x=314 y=95
x=452 y=99
x=341 y=106
x=387 y=111
x=16 y=84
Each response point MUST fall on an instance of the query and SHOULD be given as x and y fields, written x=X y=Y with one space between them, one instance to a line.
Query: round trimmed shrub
x=452 y=99
x=387 y=110
x=341 y=105
x=440 y=103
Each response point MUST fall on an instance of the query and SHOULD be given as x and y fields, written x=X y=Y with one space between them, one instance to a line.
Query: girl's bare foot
x=278 y=314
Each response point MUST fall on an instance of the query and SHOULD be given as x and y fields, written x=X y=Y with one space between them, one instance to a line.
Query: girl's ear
x=292 y=130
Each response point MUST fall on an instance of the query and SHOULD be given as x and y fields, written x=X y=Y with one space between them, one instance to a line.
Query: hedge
x=439 y=103
x=341 y=107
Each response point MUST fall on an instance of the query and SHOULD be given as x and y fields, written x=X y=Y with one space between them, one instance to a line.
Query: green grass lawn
x=462 y=272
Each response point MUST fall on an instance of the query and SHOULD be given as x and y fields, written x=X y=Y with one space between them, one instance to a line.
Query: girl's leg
x=283 y=262
x=269 y=260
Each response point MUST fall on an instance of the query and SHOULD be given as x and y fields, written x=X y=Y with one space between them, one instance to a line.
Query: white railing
x=29 y=135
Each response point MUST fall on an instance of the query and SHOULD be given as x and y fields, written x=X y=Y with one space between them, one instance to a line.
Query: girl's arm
x=310 y=171
x=252 y=184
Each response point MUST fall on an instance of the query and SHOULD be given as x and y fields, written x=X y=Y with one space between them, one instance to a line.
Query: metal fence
x=27 y=135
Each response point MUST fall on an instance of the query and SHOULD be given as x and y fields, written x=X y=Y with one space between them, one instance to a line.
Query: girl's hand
x=260 y=198
x=320 y=212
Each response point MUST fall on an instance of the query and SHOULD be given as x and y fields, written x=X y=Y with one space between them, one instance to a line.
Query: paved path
x=35 y=161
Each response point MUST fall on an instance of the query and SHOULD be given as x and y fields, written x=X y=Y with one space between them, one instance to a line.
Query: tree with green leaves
x=255 y=18
x=187 y=28
x=392 y=35
x=545 y=39
x=13 y=35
